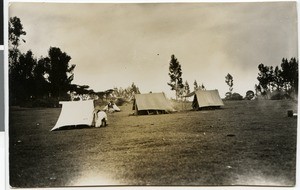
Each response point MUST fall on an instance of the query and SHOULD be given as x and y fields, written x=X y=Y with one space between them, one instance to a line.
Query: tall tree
x=281 y=80
x=196 y=87
x=40 y=73
x=27 y=64
x=277 y=79
x=229 y=82
x=269 y=79
x=134 y=89
x=203 y=87
x=186 y=88
x=290 y=74
x=15 y=29
x=21 y=78
x=60 y=72
x=175 y=74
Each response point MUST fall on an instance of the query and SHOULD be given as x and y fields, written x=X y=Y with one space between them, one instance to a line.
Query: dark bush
x=120 y=101
x=234 y=96
x=43 y=102
x=100 y=103
x=279 y=96
x=249 y=95
x=228 y=95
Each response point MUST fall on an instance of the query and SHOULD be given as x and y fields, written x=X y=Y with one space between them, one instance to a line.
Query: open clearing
x=245 y=143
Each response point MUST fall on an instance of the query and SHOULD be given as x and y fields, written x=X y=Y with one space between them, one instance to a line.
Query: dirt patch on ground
x=245 y=143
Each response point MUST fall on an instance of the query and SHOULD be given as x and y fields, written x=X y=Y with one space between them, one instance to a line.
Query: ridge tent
x=152 y=103
x=75 y=113
x=206 y=98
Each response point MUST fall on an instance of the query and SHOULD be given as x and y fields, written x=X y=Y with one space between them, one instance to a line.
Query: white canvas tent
x=114 y=108
x=151 y=103
x=75 y=113
x=206 y=98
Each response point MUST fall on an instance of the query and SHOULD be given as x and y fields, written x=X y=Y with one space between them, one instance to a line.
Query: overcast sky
x=113 y=45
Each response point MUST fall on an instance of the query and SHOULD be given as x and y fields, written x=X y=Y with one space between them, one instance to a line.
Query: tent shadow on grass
x=72 y=127
x=207 y=108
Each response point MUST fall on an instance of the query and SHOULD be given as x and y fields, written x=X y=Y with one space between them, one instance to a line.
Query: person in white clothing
x=100 y=118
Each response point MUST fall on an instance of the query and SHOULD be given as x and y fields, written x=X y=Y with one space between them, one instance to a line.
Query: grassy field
x=244 y=143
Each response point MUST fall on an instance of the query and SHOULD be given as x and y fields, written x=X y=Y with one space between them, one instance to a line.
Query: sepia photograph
x=152 y=94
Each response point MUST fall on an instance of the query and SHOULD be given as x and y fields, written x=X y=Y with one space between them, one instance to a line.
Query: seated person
x=111 y=107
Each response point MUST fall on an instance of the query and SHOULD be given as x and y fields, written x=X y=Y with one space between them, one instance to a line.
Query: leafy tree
x=236 y=96
x=229 y=82
x=228 y=95
x=40 y=73
x=277 y=79
x=280 y=80
x=134 y=89
x=257 y=90
x=15 y=29
x=127 y=93
x=186 y=88
x=79 y=89
x=266 y=78
x=196 y=87
x=175 y=74
x=21 y=78
x=249 y=95
x=203 y=87
x=60 y=72
x=290 y=74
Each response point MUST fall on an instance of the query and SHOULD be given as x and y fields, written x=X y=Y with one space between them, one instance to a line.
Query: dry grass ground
x=245 y=143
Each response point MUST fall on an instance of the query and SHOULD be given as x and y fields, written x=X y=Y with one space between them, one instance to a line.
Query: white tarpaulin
x=75 y=113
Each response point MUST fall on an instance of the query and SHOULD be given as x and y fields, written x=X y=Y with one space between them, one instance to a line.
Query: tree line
x=282 y=82
x=31 y=78
x=47 y=80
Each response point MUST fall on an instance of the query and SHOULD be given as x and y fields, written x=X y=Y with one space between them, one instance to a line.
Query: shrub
x=276 y=95
x=42 y=102
x=249 y=95
x=120 y=101
x=234 y=96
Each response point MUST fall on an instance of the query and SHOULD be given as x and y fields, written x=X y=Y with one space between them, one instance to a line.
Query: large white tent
x=75 y=113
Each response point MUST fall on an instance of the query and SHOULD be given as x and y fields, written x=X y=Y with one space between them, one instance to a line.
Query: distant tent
x=206 y=98
x=114 y=108
x=152 y=103
x=75 y=113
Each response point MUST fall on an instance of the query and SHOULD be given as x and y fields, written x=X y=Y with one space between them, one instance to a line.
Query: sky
x=114 y=45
